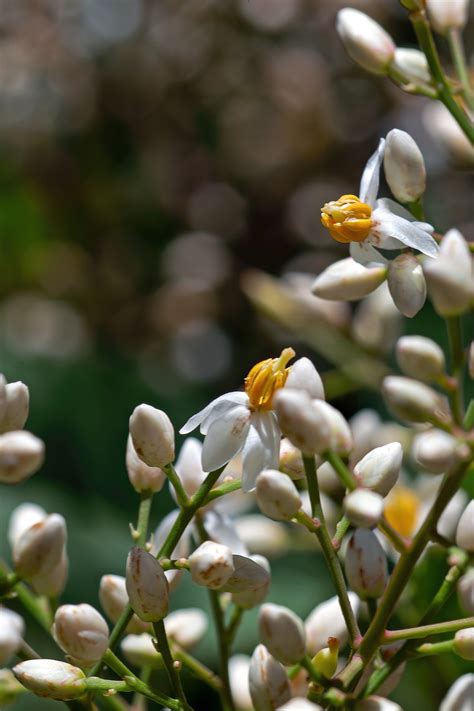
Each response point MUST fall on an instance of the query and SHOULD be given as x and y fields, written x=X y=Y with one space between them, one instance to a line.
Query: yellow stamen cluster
x=347 y=219
x=401 y=510
x=265 y=378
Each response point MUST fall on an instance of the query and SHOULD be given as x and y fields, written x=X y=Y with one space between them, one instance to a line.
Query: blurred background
x=157 y=157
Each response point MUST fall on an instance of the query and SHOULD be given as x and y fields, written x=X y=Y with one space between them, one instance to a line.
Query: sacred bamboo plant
x=277 y=444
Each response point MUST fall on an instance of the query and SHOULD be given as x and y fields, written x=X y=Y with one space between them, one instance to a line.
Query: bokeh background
x=157 y=157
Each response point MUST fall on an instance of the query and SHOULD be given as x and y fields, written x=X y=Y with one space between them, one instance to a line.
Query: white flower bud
x=465 y=589
x=407 y=284
x=340 y=435
x=449 y=519
x=239 y=681
x=268 y=681
x=141 y=476
x=377 y=703
x=329 y=481
x=22 y=518
x=465 y=529
x=450 y=276
x=81 y=632
x=445 y=15
x=152 y=435
x=52 y=582
x=434 y=450
x=365 y=41
x=21 y=455
x=139 y=650
x=463 y=643
x=404 y=166
x=260 y=534
x=113 y=598
x=413 y=401
x=12 y=629
x=412 y=63
x=300 y=704
x=250 y=581
x=277 y=496
x=254 y=596
x=186 y=627
x=291 y=461
x=347 y=280
x=211 y=565
x=16 y=408
x=40 y=548
x=363 y=508
x=147 y=586
x=379 y=469
x=189 y=467
x=301 y=422
x=460 y=695
x=51 y=679
x=366 y=564
x=304 y=376
x=420 y=358
x=282 y=632
x=327 y=620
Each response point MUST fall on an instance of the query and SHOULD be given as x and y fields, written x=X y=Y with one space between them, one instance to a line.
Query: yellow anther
x=265 y=378
x=347 y=219
x=401 y=510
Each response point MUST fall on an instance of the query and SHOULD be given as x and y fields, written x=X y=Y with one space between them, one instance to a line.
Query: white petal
x=225 y=437
x=221 y=529
x=389 y=226
x=397 y=209
x=369 y=184
x=232 y=398
x=364 y=253
x=261 y=450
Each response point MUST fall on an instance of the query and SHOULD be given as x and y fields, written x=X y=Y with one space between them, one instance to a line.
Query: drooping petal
x=232 y=398
x=365 y=253
x=239 y=398
x=225 y=438
x=397 y=209
x=261 y=450
x=221 y=529
x=388 y=226
x=369 y=184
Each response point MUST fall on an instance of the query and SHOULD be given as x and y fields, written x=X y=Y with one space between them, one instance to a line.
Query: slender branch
x=429 y=649
x=427 y=630
x=31 y=603
x=342 y=527
x=225 y=488
x=454 y=328
x=171 y=668
x=459 y=59
x=197 y=668
x=144 y=509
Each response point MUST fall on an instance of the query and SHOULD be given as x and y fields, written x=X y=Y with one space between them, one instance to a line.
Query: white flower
x=369 y=224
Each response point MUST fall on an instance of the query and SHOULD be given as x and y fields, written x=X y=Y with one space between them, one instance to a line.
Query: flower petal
x=369 y=184
x=261 y=450
x=221 y=529
x=225 y=438
x=396 y=209
x=388 y=226
x=364 y=253
x=223 y=402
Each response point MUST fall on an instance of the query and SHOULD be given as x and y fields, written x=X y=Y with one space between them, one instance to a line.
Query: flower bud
x=147 y=586
x=282 y=632
x=447 y=134
x=412 y=63
x=303 y=424
x=250 y=581
x=407 y=284
x=376 y=321
x=377 y=703
x=465 y=589
x=325 y=661
x=141 y=476
x=340 y=436
x=52 y=582
x=465 y=529
x=363 y=508
x=327 y=620
x=470 y=361
x=152 y=435
x=329 y=481
x=51 y=679
x=81 y=632
x=300 y=704
x=449 y=519
x=366 y=564
x=21 y=455
x=268 y=681
x=17 y=403
x=12 y=629
x=413 y=401
x=459 y=696
x=463 y=643
x=404 y=166
x=211 y=565
x=434 y=450
x=450 y=276
x=10 y=688
x=365 y=41
x=364 y=426
x=291 y=461
x=379 y=469
x=113 y=598
x=260 y=534
x=188 y=465
x=139 y=650
x=347 y=280
x=304 y=376
x=447 y=15
x=186 y=627
x=239 y=681
x=420 y=358
x=277 y=496
x=22 y=518
x=39 y=549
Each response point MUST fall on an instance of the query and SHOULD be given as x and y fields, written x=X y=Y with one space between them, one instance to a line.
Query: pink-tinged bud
x=141 y=476
x=465 y=589
x=291 y=461
x=277 y=496
x=434 y=450
x=420 y=358
x=325 y=661
x=340 y=436
x=363 y=508
x=113 y=598
x=22 y=518
x=412 y=63
x=282 y=632
x=414 y=401
x=304 y=376
x=152 y=435
x=186 y=627
x=445 y=15
x=21 y=455
x=450 y=276
x=51 y=679
x=347 y=280
x=465 y=529
x=147 y=586
x=139 y=650
x=81 y=632
x=303 y=424
x=268 y=681
x=407 y=284
x=250 y=581
x=53 y=582
x=327 y=620
x=377 y=703
x=239 y=681
x=365 y=41
x=211 y=565
x=379 y=469
x=366 y=564
x=463 y=643
x=12 y=629
x=300 y=704
x=16 y=407
x=39 y=549
x=460 y=695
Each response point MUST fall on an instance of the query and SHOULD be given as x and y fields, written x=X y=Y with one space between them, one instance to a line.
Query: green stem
x=95 y=683
x=341 y=530
x=177 y=485
x=173 y=671
x=459 y=59
x=222 y=490
x=234 y=623
x=144 y=509
x=33 y=605
x=435 y=648
x=332 y=561
x=417 y=210
x=198 y=668
x=427 y=630
x=454 y=328
x=314 y=675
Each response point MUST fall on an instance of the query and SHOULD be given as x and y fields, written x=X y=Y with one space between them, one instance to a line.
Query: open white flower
x=369 y=224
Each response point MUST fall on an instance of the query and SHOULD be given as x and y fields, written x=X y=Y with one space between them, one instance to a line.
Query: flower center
x=265 y=378
x=347 y=219
x=401 y=510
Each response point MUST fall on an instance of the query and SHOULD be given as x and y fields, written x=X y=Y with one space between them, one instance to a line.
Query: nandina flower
x=244 y=422
x=368 y=224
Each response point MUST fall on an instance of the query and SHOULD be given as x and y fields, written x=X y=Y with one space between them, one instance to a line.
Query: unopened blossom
x=39 y=549
x=81 y=632
x=12 y=629
x=413 y=401
x=21 y=455
x=465 y=529
x=329 y=481
x=365 y=41
x=325 y=661
x=139 y=650
x=305 y=425
x=460 y=695
x=152 y=434
x=340 y=436
x=277 y=496
x=282 y=632
x=348 y=280
x=250 y=580
x=434 y=450
x=15 y=411
x=379 y=469
x=147 y=586
x=363 y=507
x=420 y=357
x=52 y=582
x=327 y=620
x=404 y=166
x=186 y=626
x=22 y=518
x=51 y=679
x=268 y=681
x=412 y=63
x=445 y=15
x=239 y=681
x=366 y=564
x=465 y=590
x=463 y=643
x=450 y=277
x=304 y=376
x=113 y=598
x=291 y=461
x=141 y=476
x=407 y=284
x=211 y=565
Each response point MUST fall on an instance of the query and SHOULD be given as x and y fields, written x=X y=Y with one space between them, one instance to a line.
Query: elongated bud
x=21 y=455
x=379 y=469
x=186 y=627
x=113 y=598
x=447 y=15
x=465 y=590
x=465 y=529
x=420 y=358
x=300 y=704
x=377 y=703
x=326 y=620
x=459 y=696
x=404 y=166
x=141 y=476
x=211 y=565
x=52 y=582
x=250 y=581
x=282 y=632
x=22 y=518
x=16 y=408
x=304 y=376
x=188 y=465
x=434 y=450
x=450 y=276
x=277 y=496
x=407 y=284
x=347 y=280
x=413 y=401
x=147 y=586
x=81 y=632
x=301 y=422
x=463 y=643
x=152 y=435
x=412 y=63
x=366 y=564
x=139 y=650
x=51 y=679
x=10 y=688
x=340 y=435
x=268 y=681
x=291 y=461
x=325 y=661
x=12 y=629
x=363 y=508
x=39 y=549
x=239 y=666
x=365 y=41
